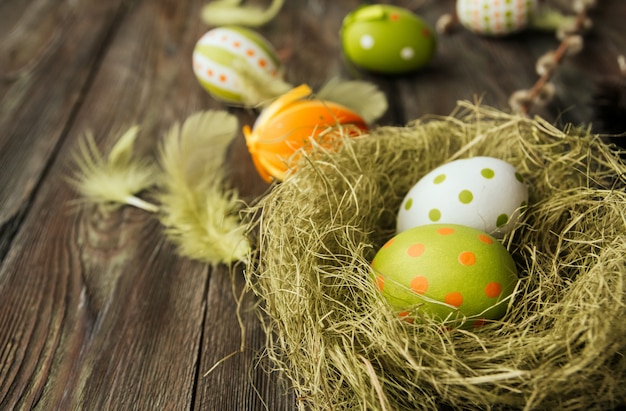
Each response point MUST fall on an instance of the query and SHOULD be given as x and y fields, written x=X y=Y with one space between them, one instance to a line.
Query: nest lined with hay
x=560 y=346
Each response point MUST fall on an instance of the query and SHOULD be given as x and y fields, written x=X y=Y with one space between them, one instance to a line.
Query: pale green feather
x=362 y=97
x=116 y=179
x=199 y=214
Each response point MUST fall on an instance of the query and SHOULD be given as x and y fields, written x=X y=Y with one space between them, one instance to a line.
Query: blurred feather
x=115 y=180
x=361 y=97
x=231 y=12
x=199 y=214
x=259 y=87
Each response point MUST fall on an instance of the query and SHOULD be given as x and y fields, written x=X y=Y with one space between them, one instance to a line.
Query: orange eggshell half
x=273 y=143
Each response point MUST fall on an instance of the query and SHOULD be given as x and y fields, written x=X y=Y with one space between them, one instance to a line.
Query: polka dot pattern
x=466 y=196
x=495 y=17
x=460 y=267
x=493 y=289
x=419 y=284
x=434 y=215
x=481 y=192
x=454 y=298
x=488 y=173
x=467 y=258
x=367 y=42
x=415 y=250
x=407 y=53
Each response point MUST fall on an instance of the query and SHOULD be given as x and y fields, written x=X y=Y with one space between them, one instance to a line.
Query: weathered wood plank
x=233 y=373
x=47 y=55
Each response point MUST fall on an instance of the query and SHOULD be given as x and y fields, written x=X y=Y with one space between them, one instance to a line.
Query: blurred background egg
x=387 y=39
x=495 y=17
x=223 y=58
x=481 y=192
x=447 y=269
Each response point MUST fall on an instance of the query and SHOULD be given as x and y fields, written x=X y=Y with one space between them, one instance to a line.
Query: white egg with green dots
x=485 y=193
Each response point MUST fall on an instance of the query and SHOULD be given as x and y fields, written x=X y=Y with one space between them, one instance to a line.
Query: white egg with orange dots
x=224 y=57
x=449 y=270
x=481 y=192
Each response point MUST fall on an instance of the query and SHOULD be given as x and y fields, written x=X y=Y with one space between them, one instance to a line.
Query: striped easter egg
x=224 y=54
x=495 y=17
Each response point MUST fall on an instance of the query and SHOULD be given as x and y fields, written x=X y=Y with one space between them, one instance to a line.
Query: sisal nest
x=561 y=345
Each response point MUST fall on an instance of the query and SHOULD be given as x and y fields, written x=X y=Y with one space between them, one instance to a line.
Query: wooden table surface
x=97 y=311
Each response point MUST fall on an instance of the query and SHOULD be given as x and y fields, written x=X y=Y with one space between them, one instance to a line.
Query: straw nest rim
x=560 y=346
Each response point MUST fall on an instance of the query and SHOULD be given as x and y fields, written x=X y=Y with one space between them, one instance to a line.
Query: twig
x=543 y=90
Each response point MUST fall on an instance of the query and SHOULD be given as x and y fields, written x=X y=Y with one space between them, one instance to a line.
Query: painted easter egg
x=495 y=17
x=223 y=55
x=481 y=192
x=447 y=270
x=291 y=123
x=387 y=39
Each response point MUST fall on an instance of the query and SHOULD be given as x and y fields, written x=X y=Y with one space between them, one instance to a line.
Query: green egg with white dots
x=387 y=39
x=446 y=271
x=486 y=193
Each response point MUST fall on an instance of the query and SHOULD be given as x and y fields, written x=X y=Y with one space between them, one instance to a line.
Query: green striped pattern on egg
x=495 y=17
x=220 y=55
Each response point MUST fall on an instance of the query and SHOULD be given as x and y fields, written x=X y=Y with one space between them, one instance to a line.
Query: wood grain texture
x=97 y=311
x=47 y=56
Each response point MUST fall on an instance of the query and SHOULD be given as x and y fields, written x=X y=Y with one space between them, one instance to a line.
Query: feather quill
x=114 y=180
x=199 y=213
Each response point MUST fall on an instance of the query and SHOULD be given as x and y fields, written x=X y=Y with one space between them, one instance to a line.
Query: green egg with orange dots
x=447 y=271
x=387 y=39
